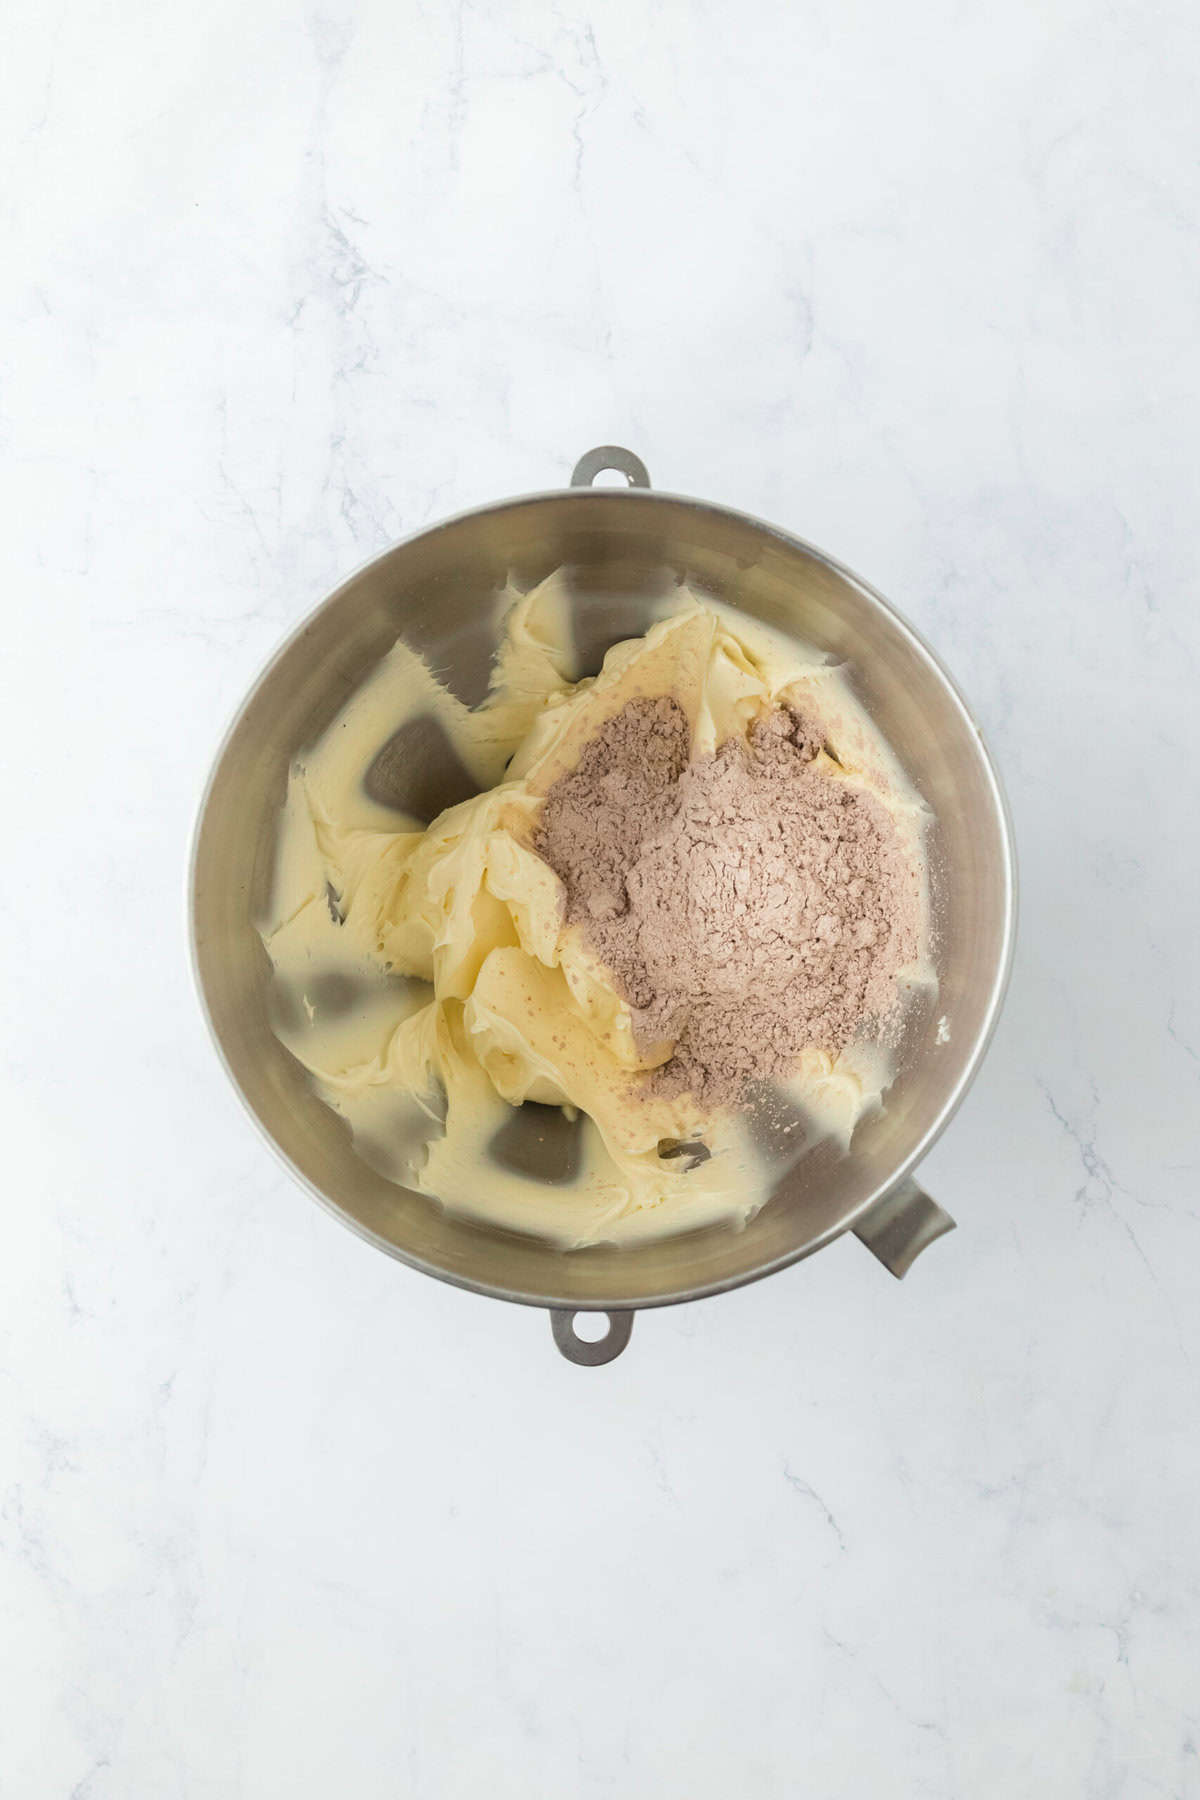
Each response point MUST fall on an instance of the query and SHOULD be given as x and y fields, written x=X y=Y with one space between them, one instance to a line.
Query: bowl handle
x=610 y=456
x=898 y=1228
x=584 y=1351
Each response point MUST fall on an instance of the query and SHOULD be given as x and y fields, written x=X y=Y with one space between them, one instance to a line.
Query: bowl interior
x=621 y=549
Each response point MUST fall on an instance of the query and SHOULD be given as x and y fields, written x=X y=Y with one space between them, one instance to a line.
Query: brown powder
x=748 y=905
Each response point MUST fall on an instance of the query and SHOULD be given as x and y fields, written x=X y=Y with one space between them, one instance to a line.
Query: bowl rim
x=618 y=1302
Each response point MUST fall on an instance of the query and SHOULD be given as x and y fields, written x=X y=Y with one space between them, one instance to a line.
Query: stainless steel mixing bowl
x=622 y=548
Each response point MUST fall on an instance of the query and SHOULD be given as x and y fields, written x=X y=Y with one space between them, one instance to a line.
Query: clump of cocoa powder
x=748 y=905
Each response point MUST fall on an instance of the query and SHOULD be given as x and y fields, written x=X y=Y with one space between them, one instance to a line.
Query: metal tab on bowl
x=590 y=1353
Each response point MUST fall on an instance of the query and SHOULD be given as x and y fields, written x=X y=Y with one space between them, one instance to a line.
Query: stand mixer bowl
x=622 y=550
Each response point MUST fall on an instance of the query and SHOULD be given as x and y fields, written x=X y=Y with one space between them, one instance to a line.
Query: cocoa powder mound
x=748 y=905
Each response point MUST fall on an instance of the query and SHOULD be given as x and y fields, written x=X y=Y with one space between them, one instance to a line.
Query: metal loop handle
x=583 y=1351
x=610 y=456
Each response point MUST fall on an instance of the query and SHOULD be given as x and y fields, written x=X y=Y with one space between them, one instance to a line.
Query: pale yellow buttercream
x=428 y=982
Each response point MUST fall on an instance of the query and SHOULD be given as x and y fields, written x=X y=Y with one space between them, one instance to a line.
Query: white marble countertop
x=279 y=1517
